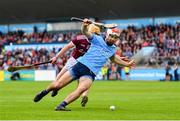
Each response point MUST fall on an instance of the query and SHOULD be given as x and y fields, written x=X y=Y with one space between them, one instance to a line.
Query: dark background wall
x=18 y=11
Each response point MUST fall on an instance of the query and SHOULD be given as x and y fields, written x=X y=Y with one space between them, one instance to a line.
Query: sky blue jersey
x=97 y=55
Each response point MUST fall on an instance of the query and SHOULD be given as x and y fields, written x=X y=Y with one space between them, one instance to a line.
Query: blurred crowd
x=20 y=37
x=166 y=39
x=21 y=57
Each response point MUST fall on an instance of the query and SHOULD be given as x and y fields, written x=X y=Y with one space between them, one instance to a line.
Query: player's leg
x=63 y=70
x=70 y=63
x=84 y=98
x=60 y=83
x=85 y=83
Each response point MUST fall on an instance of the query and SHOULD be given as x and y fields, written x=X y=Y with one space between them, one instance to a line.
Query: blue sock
x=63 y=104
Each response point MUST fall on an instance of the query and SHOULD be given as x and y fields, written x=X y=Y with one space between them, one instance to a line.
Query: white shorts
x=70 y=63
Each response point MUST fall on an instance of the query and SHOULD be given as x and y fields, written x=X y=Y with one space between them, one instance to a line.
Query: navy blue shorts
x=80 y=70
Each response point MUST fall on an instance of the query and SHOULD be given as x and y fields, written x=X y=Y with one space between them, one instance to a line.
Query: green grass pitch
x=133 y=100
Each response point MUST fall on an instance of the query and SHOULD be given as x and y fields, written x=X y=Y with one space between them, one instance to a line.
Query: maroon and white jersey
x=81 y=46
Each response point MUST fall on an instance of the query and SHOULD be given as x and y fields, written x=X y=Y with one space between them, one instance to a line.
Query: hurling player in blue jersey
x=88 y=65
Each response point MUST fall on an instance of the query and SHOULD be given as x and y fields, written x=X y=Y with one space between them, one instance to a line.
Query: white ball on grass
x=112 y=107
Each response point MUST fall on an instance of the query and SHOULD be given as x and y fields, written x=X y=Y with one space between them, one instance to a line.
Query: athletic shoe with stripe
x=61 y=108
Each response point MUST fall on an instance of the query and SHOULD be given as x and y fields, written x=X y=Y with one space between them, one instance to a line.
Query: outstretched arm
x=63 y=51
x=117 y=59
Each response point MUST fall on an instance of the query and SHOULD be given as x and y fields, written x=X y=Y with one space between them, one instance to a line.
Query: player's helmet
x=113 y=31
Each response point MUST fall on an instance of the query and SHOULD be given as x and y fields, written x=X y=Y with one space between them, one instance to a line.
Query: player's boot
x=84 y=101
x=40 y=95
x=54 y=93
x=61 y=108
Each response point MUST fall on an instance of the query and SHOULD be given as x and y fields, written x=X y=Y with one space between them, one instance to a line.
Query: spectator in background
x=15 y=76
x=176 y=74
x=113 y=74
x=35 y=29
x=104 y=71
x=119 y=72
x=126 y=70
x=168 y=76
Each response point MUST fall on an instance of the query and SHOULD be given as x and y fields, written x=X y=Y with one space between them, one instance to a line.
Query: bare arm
x=84 y=28
x=63 y=51
x=117 y=59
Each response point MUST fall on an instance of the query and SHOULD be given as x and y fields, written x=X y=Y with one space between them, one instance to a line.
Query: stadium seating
x=166 y=39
